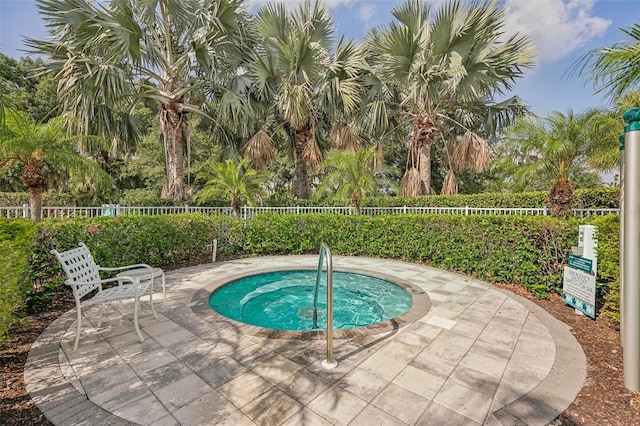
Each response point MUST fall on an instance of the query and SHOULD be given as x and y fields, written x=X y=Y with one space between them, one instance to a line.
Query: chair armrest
x=123 y=268
x=106 y=280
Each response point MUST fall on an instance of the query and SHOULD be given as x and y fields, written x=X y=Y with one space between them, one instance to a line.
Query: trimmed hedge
x=15 y=246
x=169 y=242
x=54 y=199
x=526 y=250
x=608 y=281
x=605 y=198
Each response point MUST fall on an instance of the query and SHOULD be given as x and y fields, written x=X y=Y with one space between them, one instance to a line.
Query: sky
x=562 y=31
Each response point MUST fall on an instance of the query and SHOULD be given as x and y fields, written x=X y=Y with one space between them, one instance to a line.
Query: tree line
x=201 y=99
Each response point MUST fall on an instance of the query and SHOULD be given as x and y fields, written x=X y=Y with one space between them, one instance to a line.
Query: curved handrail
x=325 y=252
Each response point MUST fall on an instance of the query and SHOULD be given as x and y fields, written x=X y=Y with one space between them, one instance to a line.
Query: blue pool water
x=284 y=300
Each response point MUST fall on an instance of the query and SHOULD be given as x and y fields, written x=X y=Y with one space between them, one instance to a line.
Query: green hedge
x=15 y=246
x=529 y=251
x=585 y=198
x=608 y=282
x=54 y=199
x=169 y=242
x=523 y=250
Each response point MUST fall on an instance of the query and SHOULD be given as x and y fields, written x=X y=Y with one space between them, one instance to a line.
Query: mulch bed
x=604 y=400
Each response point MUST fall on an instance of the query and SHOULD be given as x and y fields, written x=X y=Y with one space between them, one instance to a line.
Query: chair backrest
x=79 y=266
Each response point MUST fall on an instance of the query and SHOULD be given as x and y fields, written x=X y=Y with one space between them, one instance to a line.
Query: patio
x=468 y=353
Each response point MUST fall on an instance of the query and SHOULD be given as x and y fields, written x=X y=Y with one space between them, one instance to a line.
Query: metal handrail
x=325 y=252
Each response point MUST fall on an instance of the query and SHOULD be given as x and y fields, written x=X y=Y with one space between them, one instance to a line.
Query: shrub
x=608 y=277
x=169 y=242
x=49 y=198
x=585 y=198
x=528 y=251
x=15 y=245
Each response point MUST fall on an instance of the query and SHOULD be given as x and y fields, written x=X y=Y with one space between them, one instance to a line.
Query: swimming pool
x=284 y=300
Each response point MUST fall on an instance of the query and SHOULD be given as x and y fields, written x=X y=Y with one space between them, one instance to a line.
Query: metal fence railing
x=247 y=212
x=15 y=212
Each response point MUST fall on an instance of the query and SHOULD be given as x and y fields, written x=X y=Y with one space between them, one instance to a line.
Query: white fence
x=246 y=212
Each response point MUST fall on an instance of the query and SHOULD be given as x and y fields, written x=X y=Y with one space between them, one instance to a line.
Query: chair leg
x=164 y=293
x=136 y=305
x=78 y=327
x=100 y=317
x=153 y=309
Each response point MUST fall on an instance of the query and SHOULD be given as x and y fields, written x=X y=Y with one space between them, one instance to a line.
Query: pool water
x=284 y=300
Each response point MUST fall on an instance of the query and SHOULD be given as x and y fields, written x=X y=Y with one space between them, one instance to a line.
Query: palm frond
x=260 y=150
x=613 y=70
x=411 y=185
x=311 y=153
x=471 y=151
x=343 y=137
x=450 y=183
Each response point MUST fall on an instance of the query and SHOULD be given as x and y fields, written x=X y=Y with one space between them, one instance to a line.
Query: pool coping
x=421 y=304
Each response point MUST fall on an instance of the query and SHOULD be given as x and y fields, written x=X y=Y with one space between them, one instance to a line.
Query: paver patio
x=467 y=353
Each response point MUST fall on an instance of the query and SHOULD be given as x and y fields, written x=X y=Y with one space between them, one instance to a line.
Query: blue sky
x=562 y=30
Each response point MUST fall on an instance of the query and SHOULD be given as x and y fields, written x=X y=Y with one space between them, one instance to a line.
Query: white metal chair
x=83 y=275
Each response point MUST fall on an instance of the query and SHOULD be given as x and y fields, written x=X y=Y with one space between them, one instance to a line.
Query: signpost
x=579 y=283
x=579 y=290
x=581 y=263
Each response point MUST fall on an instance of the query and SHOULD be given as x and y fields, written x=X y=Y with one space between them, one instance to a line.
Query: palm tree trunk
x=355 y=201
x=35 y=203
x=302 y=182
x=235 y=206
x=173 y=187
x=424 y=167
x=560 y=199
x=33 y=178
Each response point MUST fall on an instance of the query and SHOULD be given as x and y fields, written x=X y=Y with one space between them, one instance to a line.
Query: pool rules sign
x=579 y=284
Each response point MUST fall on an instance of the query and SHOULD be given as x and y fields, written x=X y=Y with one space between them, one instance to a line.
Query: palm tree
x=557 y=148
x=234 y=181
x=437 y=74
x=309 y=84
x=109 y=56
x=353 y=175
x=613 y=70
x=40 y=146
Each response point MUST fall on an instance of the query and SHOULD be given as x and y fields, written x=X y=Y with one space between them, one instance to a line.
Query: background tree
x=554 y=151
x=311 y=86
x=111 y=55
x=29 y=90
x=438 y=74
x=234 y=181
x=353 y=175
x=38 y=147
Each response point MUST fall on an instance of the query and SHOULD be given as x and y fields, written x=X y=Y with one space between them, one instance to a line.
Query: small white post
x=214 y=249
x=25 y=211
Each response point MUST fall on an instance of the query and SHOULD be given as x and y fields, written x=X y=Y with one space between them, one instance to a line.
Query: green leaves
x=15 y=242
x=353 y=175
x=613 y=70
x=236 y=182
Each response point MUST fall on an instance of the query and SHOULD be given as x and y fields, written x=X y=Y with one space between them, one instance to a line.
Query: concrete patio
x=467 y=353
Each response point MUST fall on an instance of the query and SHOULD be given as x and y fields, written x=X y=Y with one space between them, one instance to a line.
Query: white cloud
x=557 y=27
x=366 y=12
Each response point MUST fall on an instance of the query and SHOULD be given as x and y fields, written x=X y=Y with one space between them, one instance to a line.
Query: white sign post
x=579 y=290
x=579 y=283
